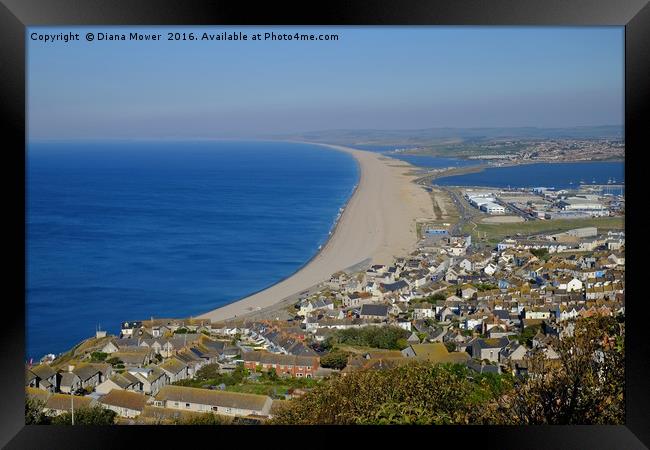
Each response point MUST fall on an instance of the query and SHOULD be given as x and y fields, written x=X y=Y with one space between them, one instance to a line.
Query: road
x=465 y=214
x=520 y=212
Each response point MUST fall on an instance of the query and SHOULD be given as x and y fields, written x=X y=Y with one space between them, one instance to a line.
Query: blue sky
x=372 y=77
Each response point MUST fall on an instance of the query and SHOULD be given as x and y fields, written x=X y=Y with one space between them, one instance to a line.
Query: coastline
x=376 y=224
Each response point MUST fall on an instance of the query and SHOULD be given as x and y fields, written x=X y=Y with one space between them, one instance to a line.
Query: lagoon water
x=128 y=230
x=552 y=175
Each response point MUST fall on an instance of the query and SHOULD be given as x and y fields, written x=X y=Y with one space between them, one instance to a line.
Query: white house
x=468 y=292
x=465 y=264
x=423 y=311
x=574 y=285
x=404 y=324
x=490 y=269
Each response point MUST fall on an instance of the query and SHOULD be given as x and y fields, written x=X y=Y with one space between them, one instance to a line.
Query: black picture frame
x=16 y=15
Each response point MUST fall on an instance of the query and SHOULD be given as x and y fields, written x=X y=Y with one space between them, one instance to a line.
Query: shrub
x=335 y=360
x=385 y=337
x=34 y=414
x=585 y=388
x=203 y=419
x=419 y=392
x=98 y=356
x=95 y=415
x=208 y=372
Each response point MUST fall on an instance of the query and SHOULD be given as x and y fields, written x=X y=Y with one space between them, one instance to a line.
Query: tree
x=527 y=335
x=385 y=337
x=451 y=346
x=435 y=297
x=401 y=344
x=335 y=360
x=418 y=392
x=239 y=373
x=34 y=414
x=95 y=415
x=208 y=372
x=541 y=253
x=98 y=356
x=586 y=386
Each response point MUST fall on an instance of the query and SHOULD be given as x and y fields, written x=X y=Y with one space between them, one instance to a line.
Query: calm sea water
x=556 y=175
x=126 y=231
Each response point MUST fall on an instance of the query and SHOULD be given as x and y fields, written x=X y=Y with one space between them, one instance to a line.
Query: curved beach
x=378 y=224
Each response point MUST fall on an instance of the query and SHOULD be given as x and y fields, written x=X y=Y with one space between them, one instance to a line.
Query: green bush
x=385 y=337
x=335 y=360
x=486 y=287
x=541 y=253
x=95 y=415
x=419 y=392
x=34 y=414
x=207 y=372
x=203 y=419
x=98 y=356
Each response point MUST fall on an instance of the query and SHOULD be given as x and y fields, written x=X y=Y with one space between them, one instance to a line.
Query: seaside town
x=500 y=151
x=453 y=300
x=399 y=226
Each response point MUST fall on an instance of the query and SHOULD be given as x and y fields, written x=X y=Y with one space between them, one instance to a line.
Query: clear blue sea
x=129 y=230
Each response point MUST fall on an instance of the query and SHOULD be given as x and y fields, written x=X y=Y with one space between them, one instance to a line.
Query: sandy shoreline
x=378 y=223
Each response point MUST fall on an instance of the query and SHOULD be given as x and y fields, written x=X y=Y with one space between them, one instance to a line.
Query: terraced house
x=293 y=365
x=124 y=403
x=218 y=402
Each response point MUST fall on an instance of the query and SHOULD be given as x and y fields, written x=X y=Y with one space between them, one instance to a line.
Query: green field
x=497 y=232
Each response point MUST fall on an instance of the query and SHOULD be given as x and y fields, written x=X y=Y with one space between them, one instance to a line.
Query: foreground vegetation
x=586 y=386
x=95 y=415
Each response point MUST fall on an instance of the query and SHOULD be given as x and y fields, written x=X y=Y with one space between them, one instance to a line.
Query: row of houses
x=129 y=405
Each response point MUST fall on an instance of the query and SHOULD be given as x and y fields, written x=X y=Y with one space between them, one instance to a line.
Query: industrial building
x=581 y=204
x=493 y=208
